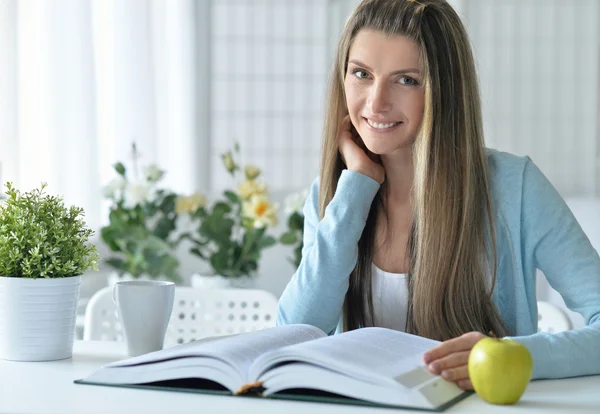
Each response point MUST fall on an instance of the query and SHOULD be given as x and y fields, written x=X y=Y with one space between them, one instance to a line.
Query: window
x=268 y=74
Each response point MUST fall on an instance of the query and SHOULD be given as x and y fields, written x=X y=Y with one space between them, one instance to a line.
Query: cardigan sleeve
x=560 y=248
x=316 y=292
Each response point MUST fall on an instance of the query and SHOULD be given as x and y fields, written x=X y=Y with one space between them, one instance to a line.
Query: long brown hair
x=452 y=241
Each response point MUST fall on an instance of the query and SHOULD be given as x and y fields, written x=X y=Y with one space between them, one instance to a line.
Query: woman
x=415 y=225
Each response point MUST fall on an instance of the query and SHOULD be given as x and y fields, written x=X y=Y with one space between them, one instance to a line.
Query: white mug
x=144 y=308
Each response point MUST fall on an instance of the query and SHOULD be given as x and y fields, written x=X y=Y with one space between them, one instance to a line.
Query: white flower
x=295 y=202
x=261 y=211
x=114 y=188
x=153 y=173
x=136 y=193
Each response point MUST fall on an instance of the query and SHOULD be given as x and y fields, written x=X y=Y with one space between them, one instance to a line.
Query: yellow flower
x=187 y=205
x=251 y=172
x=261 y=211
x=249 y=188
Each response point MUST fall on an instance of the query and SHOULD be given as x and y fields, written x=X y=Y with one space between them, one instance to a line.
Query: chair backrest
x=197 y=313
x=552 y=319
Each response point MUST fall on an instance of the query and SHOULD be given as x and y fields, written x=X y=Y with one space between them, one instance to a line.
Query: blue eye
x=359 y=73
x=410 y=80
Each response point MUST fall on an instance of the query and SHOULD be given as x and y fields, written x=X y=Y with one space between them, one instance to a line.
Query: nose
x=379 y=98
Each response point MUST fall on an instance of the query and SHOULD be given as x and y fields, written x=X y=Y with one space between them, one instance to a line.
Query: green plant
x=232 y=233
x=142 y=221
x=295 y=222
x=40 y=237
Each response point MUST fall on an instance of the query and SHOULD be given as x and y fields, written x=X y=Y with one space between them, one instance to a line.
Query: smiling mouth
x=382 y=126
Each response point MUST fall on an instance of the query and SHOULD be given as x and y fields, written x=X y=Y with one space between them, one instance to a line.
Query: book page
x=374 y=355
x=307 y=378
x=238 y=350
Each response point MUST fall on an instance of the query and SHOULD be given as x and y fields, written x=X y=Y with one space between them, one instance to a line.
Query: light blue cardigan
x=535 y=229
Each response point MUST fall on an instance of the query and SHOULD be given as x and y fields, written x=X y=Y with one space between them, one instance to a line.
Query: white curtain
x=81 y=80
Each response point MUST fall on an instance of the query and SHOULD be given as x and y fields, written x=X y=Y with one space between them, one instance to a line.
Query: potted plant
x=142 y=223
x=232 y=232
x=44 y=250
x=295 y=223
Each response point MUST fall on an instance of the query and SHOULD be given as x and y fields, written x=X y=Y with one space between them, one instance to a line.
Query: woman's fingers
x=355 y=157
x=465 y=384
x=450 y=359
x=462 y=343
x=454 y=360
x=456 y=374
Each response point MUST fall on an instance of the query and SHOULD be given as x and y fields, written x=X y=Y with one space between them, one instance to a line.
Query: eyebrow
x=397 y=72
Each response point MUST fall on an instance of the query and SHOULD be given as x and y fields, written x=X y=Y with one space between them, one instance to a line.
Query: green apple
x=500 y=370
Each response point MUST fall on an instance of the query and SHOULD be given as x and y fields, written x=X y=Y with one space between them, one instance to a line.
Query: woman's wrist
x=374 y=173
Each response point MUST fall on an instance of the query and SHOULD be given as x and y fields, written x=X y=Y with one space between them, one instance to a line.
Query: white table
x=47 y=387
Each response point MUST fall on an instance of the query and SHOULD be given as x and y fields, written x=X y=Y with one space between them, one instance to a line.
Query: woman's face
x=384 y=93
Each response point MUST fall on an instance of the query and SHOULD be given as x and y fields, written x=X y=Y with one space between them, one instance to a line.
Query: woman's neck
x=393 y=229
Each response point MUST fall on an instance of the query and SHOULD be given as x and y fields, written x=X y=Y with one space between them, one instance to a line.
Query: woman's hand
x=450 y=359
x=356 y=156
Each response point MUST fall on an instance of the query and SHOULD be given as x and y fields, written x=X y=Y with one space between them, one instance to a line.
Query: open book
x=369 y=366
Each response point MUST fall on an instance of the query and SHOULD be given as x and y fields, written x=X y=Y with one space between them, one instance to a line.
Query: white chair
x=552 y=319
x=197 y=313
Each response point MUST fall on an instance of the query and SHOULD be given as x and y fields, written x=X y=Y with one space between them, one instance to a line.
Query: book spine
x=251 y=388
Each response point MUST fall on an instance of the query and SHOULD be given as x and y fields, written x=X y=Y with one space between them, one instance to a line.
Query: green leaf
x=296 y=221
x=109 y=236
x=250 y=267
x=164 y=227
x=232 y=196
x=200 y=242
x=168 y=203
x=267 y=241
x=199 y=214
x=149 y=209
x=118 y=218
x=298 y=255
x=138 y=212
x=289 y=238
x=156 y=244
x=120 y=169
x=158 y=265
x=221 y=208
x=198 y=252
x=219 y=261
x=218 y=229
x=185 y=236
x=117 y=263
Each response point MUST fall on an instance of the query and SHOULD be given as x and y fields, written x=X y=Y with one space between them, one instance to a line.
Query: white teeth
x=381 y=126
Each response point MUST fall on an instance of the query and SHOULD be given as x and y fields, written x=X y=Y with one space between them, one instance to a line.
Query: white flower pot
x=243 y=282
x=37 y=318
x=209 y=281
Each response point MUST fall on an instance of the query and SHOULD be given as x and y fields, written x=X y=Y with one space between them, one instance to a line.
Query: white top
x=390 y=299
